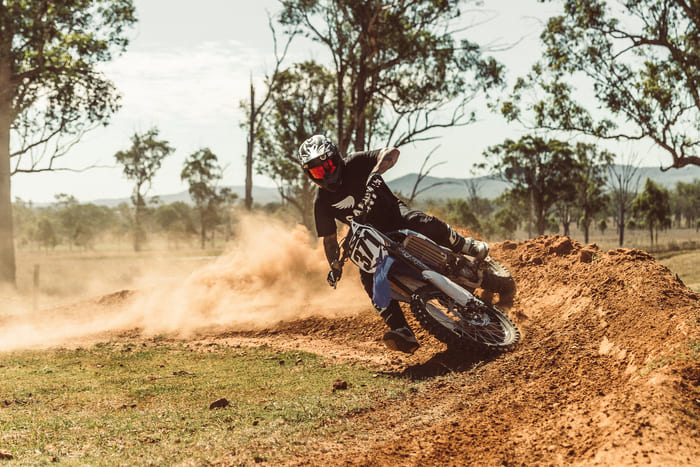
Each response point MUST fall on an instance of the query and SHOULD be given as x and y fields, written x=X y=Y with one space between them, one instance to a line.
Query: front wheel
x=481 y=322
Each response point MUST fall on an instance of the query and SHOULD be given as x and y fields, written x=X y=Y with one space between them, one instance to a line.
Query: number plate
x=366 y=249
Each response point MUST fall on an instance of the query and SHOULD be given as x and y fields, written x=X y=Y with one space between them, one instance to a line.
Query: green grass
x=687 y=266
x=149 y=403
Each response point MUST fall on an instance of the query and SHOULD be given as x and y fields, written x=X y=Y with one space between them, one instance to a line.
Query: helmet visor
x=326 y=168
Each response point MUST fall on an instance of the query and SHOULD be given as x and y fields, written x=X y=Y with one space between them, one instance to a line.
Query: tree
x=686 y=201
x=642 y=59
x=302 y=104
x=80 y=223
x=140 y=164
x=582 y=187
x=652 y=205
x=51 y=91
x=459 y=212
x=396 y=66
x=175 y=219
x=623 y=182
x=536 y=170
x=45 y=233
x=511 y=212
x=482 y=207
x=255 y=114
x=565 y=206
x=506 y=221
x=24 y=221
x=227 y=199
x=602 y=226
x=589 y=183
x=202 y=173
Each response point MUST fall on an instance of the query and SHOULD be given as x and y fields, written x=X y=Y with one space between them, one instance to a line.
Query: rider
x=342 y=183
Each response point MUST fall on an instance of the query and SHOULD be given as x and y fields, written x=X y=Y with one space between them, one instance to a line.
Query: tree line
x=69 y=224
x=396 y=73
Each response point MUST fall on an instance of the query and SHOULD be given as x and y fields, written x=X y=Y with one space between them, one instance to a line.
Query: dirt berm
x=607 y=373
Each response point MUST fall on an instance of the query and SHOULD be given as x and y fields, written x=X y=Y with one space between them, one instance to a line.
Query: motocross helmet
x=321 y=161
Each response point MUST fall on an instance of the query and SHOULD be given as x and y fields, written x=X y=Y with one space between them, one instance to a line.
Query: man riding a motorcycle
x=342 y=185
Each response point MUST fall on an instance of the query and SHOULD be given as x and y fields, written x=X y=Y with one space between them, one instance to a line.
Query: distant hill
x=491 y=188
x=261 y=195
x=669 y=178
x=446 y=188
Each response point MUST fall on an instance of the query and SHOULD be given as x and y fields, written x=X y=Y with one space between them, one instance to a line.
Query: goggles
x=325 y=168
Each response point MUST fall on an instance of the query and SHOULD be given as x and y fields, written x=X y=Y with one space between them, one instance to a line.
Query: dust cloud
x=271 y=272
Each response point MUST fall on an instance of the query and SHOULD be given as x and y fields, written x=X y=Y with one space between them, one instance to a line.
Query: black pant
x=432 y=227
x=392 y=314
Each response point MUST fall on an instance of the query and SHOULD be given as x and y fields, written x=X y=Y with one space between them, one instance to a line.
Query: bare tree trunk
x=249 y=153
x=255 y=113
x=621 y=227
x=7 y=245
x=203 y=236
x=138 y=220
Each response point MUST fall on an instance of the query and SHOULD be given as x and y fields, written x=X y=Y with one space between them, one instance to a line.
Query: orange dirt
x=607 y=371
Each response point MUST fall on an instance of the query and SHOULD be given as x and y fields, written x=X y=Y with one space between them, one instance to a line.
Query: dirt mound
x=607 y=373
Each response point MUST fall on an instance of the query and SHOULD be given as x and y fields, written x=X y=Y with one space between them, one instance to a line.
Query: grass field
x=686 y=265
x=149 y=403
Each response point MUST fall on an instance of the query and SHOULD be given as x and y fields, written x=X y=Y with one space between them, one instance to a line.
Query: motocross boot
x=400 y=337
x=475 y=248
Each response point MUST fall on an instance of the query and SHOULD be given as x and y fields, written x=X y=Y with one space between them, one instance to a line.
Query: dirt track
x=608 y=371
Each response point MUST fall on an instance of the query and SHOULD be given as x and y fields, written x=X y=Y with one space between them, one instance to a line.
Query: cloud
x=201 y=85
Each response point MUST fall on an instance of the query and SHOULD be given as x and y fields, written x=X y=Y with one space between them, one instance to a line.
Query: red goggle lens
x=326 y=168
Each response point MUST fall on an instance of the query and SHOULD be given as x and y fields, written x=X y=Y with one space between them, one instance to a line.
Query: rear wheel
x=479 y=323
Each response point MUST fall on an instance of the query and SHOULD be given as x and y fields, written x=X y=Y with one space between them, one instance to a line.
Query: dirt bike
x=438 y=284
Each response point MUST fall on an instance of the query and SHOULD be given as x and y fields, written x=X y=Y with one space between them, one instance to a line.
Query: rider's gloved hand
x=335 y=273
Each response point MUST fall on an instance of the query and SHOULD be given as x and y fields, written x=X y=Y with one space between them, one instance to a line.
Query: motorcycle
x=440 y=286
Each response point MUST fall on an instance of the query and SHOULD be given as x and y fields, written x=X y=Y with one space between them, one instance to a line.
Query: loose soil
x=607 y=371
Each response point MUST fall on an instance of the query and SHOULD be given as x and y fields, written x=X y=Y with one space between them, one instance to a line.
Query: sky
x=189 y=64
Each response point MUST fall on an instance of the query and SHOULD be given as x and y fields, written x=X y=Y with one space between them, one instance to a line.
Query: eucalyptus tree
x=623 y=185
x=176 y=220
x=140 y=164
x=686 y=197
x=638 y=59
x=653 y=207
x=398 y=67
x=302 y=104
x=590 y=177
x=255 y=111
x=203 y=173
x=51 y=88
x=536 y=169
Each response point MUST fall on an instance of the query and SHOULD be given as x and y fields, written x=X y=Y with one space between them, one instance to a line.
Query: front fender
x=453 y=290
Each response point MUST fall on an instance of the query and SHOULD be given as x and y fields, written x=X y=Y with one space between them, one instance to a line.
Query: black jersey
x=332 y=205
